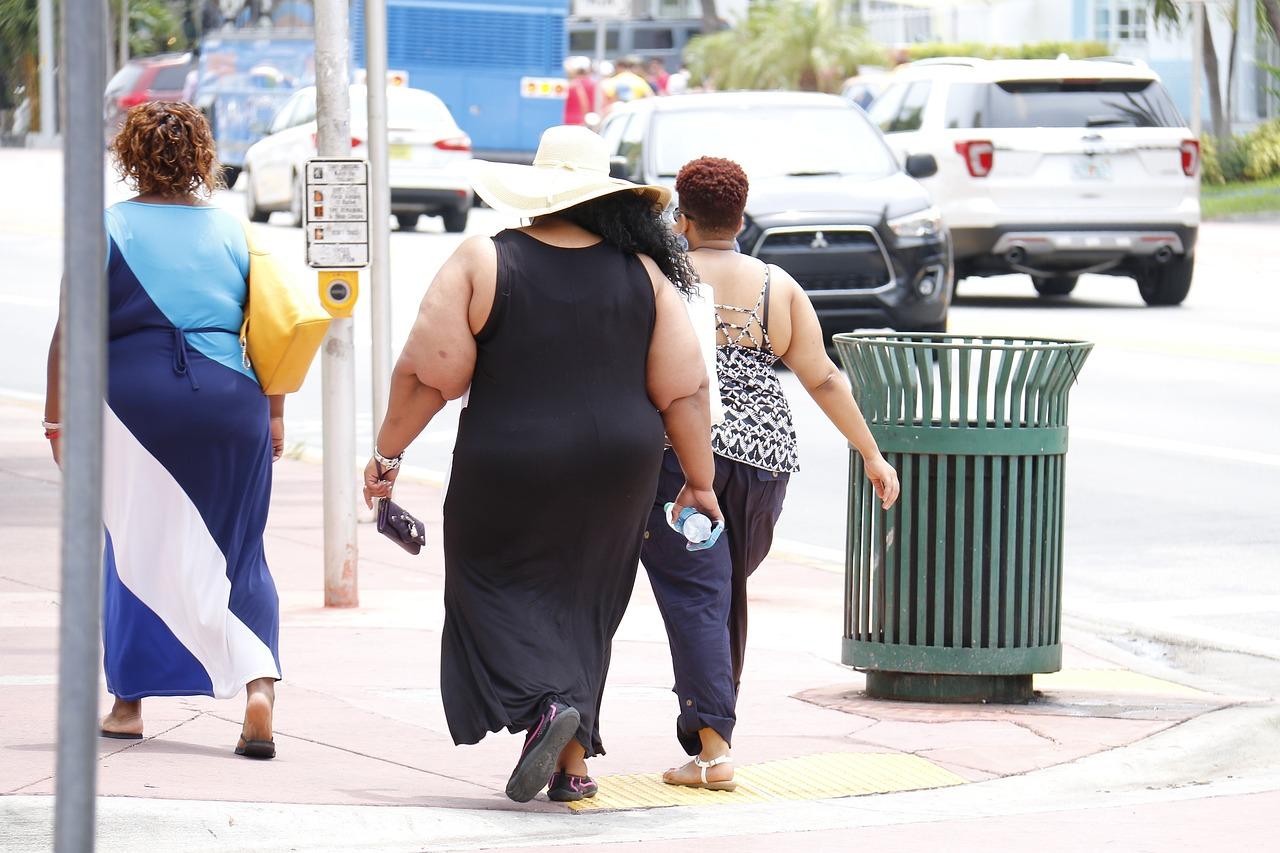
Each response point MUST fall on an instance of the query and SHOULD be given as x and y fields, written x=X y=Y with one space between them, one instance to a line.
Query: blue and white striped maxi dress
x=189 y=606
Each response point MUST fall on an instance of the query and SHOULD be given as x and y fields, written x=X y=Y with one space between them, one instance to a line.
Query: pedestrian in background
x=580 y=99
x=658 y=76
x=626 y=84
x=763 y=316
x=576 y=352
x=678 y=83
x=189 y=605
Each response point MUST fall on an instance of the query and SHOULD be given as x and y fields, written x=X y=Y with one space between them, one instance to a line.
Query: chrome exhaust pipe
x=1016 y=256
x=1163 y=255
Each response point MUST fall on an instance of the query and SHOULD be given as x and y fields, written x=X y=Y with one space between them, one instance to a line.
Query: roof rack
x=966 y=61
x=1121 y=60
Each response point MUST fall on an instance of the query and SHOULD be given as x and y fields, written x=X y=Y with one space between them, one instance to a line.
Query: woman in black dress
x=578 y=354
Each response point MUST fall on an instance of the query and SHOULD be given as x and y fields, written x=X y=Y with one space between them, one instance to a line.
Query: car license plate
x=1092 y=169
x=400 y=152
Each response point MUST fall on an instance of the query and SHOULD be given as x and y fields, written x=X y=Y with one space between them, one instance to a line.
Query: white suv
x=1053 y=168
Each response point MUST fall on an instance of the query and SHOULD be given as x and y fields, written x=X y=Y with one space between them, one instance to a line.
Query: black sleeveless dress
x=554 y=471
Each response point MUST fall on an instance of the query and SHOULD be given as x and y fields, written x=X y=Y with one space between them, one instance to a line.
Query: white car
x=1053 y=168
x=427 y=152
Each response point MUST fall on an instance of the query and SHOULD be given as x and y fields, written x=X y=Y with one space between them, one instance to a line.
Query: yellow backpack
x=283 y=324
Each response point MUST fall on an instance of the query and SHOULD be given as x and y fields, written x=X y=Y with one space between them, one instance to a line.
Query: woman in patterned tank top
x=763 y=317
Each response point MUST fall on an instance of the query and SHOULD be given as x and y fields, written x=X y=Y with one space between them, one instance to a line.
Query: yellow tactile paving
x=812 y=777
x=1115 y=681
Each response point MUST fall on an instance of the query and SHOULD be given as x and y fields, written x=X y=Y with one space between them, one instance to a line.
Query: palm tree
x=786 y=44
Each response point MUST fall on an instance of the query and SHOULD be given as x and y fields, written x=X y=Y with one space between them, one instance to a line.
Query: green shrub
x=1260 y=151
x=1035 y=50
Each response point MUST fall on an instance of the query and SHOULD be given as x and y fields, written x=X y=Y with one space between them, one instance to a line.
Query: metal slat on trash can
x=955 y=593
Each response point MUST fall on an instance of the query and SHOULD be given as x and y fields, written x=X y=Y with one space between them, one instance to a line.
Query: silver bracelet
x=387 y=464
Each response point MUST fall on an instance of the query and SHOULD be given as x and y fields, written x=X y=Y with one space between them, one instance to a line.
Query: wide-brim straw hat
x=571 y=167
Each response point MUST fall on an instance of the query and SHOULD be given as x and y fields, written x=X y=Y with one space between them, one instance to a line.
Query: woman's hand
x=277 y=438
x=884 y=480
x=703 y=500
x=55 y=445
x=378 y=482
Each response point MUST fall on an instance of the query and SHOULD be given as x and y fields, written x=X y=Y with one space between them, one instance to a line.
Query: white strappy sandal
x=727 y=785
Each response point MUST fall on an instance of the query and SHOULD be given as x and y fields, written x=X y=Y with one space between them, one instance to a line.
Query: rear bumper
x=425 y=200
x=1067 y=247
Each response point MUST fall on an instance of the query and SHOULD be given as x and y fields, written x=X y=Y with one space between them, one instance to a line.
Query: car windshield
x=1062 y=103
x=773 y=140
x=170 y=78
x=407 y=109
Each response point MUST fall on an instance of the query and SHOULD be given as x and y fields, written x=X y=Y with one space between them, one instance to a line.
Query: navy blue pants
x=703 y=594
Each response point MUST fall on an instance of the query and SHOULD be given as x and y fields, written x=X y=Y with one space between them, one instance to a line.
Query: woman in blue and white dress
x=189 y=606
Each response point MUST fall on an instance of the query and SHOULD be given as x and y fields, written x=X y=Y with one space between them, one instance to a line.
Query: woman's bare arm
x=679 y=388
x=439 y=357
x=807 y=358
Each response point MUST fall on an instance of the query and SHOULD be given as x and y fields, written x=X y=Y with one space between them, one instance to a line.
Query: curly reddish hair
x=166 y=148
x=713 y=191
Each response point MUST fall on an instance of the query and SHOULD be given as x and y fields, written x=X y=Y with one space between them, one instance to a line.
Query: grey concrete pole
x=337 y=366
x=375 y=52
x=83 y=385
x=48 y=59
x=124 y=34
x=1197 y=68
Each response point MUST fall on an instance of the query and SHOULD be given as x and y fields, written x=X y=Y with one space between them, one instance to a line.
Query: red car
x=150 y=78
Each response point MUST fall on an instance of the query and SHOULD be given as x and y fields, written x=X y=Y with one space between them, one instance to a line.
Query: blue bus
x=497 y=64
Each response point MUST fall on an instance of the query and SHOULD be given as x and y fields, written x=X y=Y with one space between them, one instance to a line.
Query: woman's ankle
x=713 y=746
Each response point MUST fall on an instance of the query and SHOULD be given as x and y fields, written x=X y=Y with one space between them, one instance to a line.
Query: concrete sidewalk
x=359 y=722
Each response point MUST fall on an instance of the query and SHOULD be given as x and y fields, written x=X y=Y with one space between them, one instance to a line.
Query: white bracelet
x=387 y=464
x=49 y=426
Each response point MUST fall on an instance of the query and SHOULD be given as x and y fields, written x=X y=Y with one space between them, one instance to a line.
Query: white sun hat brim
x=546 y=188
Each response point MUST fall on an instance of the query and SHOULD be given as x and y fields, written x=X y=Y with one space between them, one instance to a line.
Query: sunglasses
x=678 y=212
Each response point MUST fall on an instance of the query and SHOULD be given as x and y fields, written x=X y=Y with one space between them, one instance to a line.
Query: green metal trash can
x=955 y=594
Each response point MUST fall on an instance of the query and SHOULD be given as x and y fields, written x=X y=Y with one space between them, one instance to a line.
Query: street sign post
x=83 y=385
x=375 y=53
x=339 y=200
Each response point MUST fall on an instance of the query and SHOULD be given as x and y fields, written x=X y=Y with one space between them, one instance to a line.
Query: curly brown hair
x=713 y=191
x=166 y=148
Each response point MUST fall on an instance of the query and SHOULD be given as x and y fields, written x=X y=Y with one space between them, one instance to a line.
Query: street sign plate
x=336 y=197
x=601 y=9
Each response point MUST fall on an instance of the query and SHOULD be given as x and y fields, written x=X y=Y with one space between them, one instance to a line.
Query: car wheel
x=1168 y=283
x=296 y=203
x=455 y=220
x=230 y=174
x=256 y=214
x=1054 y=285
x=407 y=221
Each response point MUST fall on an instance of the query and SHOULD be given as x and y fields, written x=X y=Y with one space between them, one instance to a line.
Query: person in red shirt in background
x=658 y=76
x=580 y=101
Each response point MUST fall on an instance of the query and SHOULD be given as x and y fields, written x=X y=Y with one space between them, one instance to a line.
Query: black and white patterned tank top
x=757 y=427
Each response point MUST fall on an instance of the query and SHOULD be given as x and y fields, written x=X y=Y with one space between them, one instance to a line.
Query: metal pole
x=124 y=34
x=1197 y=68
x=375 y=53
x=601 y=35
x=1113 y=28
x=333 y=139
x=48 y=95
x=83 y=385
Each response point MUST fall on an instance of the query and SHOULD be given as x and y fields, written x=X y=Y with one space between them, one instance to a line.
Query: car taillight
x=979 y=156
x=132 y=100
x=455 y=143
x=1190 y=149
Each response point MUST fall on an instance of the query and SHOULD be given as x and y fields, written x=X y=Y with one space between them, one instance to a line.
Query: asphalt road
x=1173 y=473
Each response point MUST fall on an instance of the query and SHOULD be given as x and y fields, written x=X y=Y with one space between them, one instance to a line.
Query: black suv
x=828 y=203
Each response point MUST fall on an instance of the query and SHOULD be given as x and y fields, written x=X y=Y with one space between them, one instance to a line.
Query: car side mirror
x=921 y=166
x=618 y=168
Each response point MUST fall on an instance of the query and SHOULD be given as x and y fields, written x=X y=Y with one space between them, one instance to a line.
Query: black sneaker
x=542 y=748
x=567 y=788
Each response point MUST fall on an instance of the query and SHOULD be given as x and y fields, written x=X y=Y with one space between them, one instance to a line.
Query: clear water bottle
x=696 y=528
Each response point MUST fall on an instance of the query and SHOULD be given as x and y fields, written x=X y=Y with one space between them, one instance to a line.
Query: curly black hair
x=632 y=223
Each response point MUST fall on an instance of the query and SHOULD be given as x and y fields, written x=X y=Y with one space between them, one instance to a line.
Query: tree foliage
x=784 y=44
